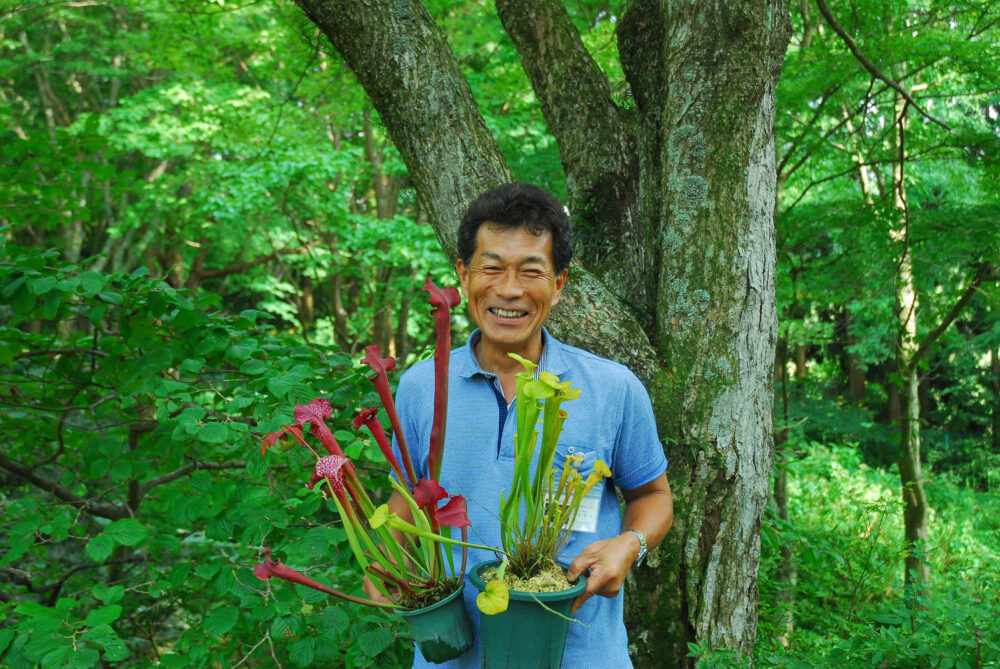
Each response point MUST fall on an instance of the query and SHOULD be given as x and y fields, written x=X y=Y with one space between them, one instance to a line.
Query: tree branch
x=63 y=494
x=984 y=272
x=576 y=101
x=185 y=470
x=402 y=59
x=868 y=65
x=244 y=266
x=61 y=351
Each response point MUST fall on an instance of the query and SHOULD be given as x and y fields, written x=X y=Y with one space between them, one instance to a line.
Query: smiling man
x=515 y=246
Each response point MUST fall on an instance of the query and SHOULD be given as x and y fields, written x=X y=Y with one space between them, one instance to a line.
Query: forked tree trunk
x=673 y=199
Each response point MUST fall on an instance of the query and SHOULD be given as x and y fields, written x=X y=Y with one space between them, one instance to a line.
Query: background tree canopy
x=204 y=221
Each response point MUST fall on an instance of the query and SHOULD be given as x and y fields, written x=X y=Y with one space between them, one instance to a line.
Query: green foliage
x=851 y=608
x=135 y=496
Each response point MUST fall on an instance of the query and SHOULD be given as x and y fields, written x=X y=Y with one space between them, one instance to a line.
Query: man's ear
x=560 y=282
x=463 y=276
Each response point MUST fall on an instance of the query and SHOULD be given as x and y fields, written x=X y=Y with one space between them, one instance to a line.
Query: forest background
x=204 y=221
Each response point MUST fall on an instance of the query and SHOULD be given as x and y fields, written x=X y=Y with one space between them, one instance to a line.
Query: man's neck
x=495 y=359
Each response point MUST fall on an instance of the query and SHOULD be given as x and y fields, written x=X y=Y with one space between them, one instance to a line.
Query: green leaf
x=888 y=619
x=109 y=594
x=325 y=650
x=224 y=581
x=17 y=549
x=254 y=367
x=103 y=616
x=213 y=433
x=302 y=652
x=282 y=624
x=241 y=350
x=115 y=649
x=220 y=529
x=221 y=620
x=127 y=531
x=6 y=636
x=100 y=547
x=493 y=599
x=280 y=385
x=91 y=283
x=42 y=285
x=110 y=297
x=333 y=620
x=374 y=642
x=33 y=609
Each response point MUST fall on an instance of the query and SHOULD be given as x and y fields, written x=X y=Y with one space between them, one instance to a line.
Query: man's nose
x=509 y=285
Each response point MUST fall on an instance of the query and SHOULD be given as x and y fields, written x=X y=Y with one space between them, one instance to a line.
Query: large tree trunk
x=674 y=199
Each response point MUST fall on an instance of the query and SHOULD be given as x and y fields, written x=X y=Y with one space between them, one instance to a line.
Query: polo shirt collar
x=552 y=359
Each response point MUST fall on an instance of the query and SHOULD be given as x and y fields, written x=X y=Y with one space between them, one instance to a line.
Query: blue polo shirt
x=612 y=421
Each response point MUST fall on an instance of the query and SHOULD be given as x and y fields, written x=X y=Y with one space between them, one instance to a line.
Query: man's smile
x=507 y=313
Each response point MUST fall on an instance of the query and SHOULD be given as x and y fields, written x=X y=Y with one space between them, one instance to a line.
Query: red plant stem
x=320 y=430
x=357 y=491
x=304 y=443
x=378 y=433
x=383 y=575
x=442 y=358
x=465 y=550
x=381 y=382
x=288 y=574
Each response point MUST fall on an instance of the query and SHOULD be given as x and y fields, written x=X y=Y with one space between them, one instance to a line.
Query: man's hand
x=374 y=593
x=609 y=561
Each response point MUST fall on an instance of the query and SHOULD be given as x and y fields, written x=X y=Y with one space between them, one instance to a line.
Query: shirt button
x=571 y=449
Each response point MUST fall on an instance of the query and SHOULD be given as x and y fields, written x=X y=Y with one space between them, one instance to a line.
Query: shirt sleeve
x=638 y=456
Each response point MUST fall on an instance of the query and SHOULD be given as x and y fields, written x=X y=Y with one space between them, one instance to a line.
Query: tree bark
x=673 y=198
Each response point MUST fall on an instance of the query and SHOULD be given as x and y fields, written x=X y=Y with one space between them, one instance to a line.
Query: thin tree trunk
x=787 y=570
x=914 y=499
x=856 y=382
x=995 y=386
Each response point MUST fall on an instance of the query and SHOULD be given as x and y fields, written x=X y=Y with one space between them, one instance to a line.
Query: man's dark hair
x=517 y=204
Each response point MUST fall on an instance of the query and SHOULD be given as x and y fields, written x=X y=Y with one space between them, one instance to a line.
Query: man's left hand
x=609 y=561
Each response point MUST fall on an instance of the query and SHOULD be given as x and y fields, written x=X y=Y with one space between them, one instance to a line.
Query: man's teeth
x=507 y=313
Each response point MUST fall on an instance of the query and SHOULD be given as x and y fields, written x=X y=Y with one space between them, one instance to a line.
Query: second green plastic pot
x=443 y=630
x=526 y=635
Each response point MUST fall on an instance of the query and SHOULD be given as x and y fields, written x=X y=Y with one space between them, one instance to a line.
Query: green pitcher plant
x=550 y=503
x=404 y=560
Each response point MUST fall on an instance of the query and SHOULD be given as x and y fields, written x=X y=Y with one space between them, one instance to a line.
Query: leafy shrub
x=134 y=500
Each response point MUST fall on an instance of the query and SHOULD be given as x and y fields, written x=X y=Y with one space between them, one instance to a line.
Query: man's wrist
x=640 y=539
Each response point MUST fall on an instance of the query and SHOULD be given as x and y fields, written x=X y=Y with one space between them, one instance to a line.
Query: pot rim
x=441 y=603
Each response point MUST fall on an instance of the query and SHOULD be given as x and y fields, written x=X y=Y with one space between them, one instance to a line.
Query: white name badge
x=589 y=511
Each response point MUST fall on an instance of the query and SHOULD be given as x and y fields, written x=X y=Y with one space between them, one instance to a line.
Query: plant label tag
x=590 y=507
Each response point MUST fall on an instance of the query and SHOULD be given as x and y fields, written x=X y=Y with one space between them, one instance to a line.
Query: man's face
x=510 y=285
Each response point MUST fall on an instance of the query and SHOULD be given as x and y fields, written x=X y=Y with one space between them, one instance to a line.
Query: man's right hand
x=374 y=593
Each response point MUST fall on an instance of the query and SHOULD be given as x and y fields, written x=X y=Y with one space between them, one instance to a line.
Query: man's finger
x=578 y=602
x=577 y=567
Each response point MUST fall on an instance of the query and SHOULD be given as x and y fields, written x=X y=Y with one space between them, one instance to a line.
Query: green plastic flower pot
x=526 y=635
x=443 y=630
